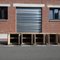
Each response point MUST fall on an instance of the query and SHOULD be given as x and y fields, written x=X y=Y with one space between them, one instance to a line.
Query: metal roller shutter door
x=29 y=19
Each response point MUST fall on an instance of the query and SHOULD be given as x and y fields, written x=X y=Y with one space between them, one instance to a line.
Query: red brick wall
x=9 y=25
x=47 y=25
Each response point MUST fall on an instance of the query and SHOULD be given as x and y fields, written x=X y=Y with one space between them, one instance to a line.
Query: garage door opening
x=29 y=19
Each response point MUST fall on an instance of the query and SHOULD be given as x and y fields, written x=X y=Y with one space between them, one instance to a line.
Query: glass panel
x=51 y=14
x=3 y=12
x=59 y=14
x=56 y=14
x=55 y=10
x=0 y=14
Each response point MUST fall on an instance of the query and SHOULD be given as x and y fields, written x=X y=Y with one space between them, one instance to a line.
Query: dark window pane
x=56 y=14
x=0 y=14
x=3 y=12
x=59 y=14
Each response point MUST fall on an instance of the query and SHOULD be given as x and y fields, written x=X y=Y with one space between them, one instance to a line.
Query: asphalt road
x=29 y=52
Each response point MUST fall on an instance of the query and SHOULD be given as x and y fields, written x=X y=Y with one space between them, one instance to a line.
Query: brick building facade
x=48 y=25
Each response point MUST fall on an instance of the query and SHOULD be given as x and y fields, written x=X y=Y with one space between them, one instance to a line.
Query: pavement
x=27 y=52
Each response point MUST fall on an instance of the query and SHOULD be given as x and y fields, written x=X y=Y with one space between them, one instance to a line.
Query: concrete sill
x=54 y=20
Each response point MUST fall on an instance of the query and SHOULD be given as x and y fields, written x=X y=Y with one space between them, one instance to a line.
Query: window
x=3 y=12
x=54 y=13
